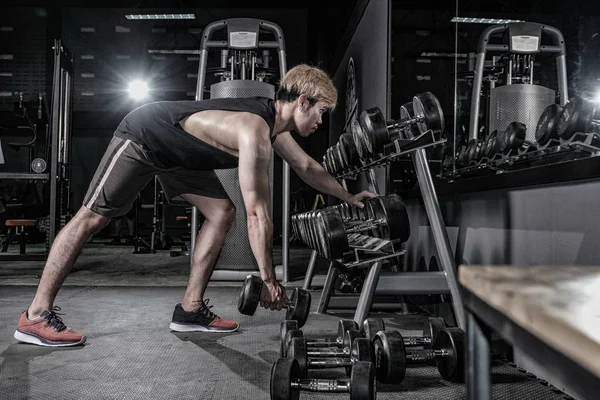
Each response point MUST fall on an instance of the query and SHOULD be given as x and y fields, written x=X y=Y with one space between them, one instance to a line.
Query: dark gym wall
x=369 y=51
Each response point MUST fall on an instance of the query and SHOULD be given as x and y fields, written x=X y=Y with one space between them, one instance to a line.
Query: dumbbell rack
x=581 y=145
x=395 y=283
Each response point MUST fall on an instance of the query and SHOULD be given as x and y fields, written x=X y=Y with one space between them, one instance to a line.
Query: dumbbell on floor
x=286 y=382
x=356 y=349
x=373 y=131
x=371 y=326
x=289 y=325
x=297 y=307
x=391 y=356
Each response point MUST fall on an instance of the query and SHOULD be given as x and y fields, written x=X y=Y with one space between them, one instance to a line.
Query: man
x=184 y=142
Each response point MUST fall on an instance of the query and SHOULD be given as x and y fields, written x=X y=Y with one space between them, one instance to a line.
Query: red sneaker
x=47 y=330
x=201 y=319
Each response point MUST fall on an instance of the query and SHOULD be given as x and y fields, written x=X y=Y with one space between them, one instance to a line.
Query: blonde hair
x=312 y=81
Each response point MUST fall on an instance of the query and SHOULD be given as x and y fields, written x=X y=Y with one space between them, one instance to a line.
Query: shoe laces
x=205 y=308
x=54 y=320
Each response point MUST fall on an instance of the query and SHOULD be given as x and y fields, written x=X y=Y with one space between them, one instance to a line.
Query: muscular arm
x=254 y=159
x=309 y=170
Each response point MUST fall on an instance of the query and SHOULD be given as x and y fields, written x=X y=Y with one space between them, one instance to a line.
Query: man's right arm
x=254 y=159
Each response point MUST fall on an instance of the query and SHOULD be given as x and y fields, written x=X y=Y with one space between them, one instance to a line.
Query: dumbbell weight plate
x=451 y=368
x=431 y=327
x=297 y=350
x=473 y=151
x=427 y=105
x=362 y=381
x=514 y=136
x=348 y=150
x=286 y=326
x=334 y=234
x=371 y=326
x=390 y=356
x=300 y=306
x=250 y=295
x=374 y=126
x=361 y=350
x=283 y=372
x=547 y=126
x=358 y=137
x=287 y=341
x=570 y=119
x=391 y=208
x=490 y=145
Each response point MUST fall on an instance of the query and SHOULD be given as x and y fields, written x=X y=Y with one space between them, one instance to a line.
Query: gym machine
x=56 y=171
x=245 y=70
x=526 y=125
x=371 y=142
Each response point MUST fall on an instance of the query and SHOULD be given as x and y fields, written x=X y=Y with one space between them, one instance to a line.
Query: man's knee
x=92 y=221
x=224 y=216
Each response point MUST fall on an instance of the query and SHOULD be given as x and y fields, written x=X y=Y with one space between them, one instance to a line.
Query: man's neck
x=284 y=117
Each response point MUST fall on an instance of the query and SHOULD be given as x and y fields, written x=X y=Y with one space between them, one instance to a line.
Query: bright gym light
x=138 y=89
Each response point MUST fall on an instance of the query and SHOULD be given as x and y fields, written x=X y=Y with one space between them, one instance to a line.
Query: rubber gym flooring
x=123 y=302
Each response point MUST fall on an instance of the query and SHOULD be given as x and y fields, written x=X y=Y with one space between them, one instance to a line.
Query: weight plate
x=452 y=367
x=569 y=121
x=362 y=381
x=391 y=208
x=547 y=126
x=362 y=350
x=300 y=301
x=298 y=352
x=250 y=295
x=371 y=326
x=343 y=326
x=286 y=326
x=490 y=145
x=294 y=333
x=374 y=126
x=390 y=356
x=283 y=372
x=359 y=139
x=427 y=106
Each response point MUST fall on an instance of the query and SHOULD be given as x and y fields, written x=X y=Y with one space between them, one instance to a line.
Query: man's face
x=309 y=118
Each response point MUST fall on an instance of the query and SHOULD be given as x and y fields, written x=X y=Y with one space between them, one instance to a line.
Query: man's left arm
x=313 y=173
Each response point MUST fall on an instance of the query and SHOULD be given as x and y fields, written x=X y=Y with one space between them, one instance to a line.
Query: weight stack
x=522 y=103
x=236 y=254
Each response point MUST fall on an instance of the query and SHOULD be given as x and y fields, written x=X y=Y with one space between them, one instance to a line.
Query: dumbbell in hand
x=286 y=381
x=289 y=325
x=447 y=350
x=373 y=131
x=355 y=349
x=297 y=307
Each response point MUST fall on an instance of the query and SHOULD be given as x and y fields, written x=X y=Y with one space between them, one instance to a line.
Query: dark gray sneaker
x=200 y=320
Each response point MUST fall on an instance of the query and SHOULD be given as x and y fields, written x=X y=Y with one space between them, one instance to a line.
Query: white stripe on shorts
x=106 y=173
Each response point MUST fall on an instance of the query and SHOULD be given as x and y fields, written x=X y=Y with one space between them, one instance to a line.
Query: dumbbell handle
x=365 y=225
x=401 y=123
x=323 y=343
x=417 y=341
x=345 y=352
x=316 y=363
x=321 y=385
x=426 y=355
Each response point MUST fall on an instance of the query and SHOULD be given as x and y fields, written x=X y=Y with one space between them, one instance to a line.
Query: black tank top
x=156 y=127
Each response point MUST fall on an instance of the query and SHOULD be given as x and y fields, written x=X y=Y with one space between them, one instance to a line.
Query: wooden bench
x=17 y=226
x=551 y=314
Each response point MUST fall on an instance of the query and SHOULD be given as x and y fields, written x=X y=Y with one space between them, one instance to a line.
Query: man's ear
x=303 y=102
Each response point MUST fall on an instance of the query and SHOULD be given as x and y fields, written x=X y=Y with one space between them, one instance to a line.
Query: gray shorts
x=125 y=169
